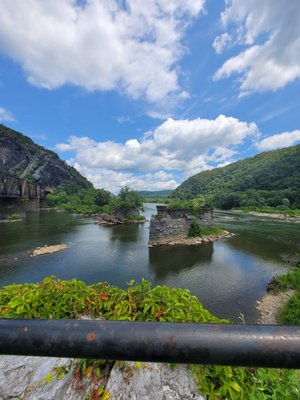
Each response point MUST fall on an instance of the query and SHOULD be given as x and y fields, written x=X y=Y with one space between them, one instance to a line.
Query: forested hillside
x=269 y=179
x=155 y=193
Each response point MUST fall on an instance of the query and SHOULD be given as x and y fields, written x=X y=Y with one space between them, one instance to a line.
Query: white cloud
x=222 y=42
x=284 y=139
x=130 y=46
x=157 y=114
x=270 y=30
x=6 y=116
x=114 y=180
x=122 y=119
x=175 y=148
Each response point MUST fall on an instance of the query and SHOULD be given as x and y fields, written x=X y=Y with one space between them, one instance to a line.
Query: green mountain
x=155 y=193
x=269 y=179
x=20 y=156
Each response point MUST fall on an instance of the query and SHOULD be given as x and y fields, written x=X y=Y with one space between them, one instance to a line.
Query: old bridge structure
x=17 y=188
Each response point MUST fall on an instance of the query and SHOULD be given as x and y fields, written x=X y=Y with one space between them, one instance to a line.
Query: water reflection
x=36 y=229
x=269 y=239
x=166 y=260
x=264 y=248
x=124 y=233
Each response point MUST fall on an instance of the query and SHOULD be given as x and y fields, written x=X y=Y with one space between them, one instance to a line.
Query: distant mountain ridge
x=155 y=193
x=20 y=156
x=269 y=178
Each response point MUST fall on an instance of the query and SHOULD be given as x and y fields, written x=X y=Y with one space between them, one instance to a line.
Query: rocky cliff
x=20 y=156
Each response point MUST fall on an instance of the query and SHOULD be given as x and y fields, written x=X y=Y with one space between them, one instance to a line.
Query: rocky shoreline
x=109 y=220
x=270 y=306
x=275 y=216
x=186 y=241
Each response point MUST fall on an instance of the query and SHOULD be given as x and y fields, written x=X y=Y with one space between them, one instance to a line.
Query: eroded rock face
x=24 y=378
x=20 y=156
x=152 y=381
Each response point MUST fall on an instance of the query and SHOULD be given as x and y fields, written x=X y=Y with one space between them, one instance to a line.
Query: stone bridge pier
x=17 y=195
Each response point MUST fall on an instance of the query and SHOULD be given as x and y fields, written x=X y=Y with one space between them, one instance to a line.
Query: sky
x=145 y=93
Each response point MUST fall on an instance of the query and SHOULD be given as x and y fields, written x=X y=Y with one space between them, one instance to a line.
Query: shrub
x=12 y=217
x=195 y=230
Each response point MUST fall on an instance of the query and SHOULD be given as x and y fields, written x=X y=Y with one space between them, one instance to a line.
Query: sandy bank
x=275 y=216
x=182 y=241
x=11 y=220
x=270 y=306
x=39 y=251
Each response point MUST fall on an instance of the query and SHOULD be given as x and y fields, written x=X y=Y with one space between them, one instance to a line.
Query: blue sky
x=148 y=93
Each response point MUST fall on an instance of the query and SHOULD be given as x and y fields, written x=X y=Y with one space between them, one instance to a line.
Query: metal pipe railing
x=272 y=346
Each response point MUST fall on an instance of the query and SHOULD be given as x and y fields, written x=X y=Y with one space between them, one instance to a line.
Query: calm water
x=228 y=276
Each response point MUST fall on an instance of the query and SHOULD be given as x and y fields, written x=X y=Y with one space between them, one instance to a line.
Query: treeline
x=72 y=197
x=270 y=179
x=155 y=196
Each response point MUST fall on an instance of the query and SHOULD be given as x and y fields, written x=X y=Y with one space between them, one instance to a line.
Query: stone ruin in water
x=174 y=223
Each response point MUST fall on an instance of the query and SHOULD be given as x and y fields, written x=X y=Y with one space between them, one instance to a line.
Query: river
x=228 y=276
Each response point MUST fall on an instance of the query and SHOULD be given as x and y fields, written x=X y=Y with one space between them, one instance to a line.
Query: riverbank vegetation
x=197 y=230
x=155 y=196
x=290 y=313
x=95 y=201
x=289 y=212
x=193 y=205
x=54 y=298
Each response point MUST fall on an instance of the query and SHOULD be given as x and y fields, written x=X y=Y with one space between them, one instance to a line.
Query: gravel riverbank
x=270 y=306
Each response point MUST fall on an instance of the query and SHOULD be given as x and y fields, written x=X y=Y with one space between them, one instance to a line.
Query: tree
x=102 y=197
x=127 y=201
x=130 y=198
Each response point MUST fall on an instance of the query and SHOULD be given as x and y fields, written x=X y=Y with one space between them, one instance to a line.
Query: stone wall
x=175 y=223
x=17 y=205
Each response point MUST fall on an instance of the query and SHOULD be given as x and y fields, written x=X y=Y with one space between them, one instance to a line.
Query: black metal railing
x=272 y=346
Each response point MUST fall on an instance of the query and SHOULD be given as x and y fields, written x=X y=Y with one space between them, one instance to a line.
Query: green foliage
x=228 y=383
x=126 y=202
x=271 y=210
x=94 y=201
x=290 y=314
x=70 y=198
x=291 y=280
x=12 y=217
x=268 y=179
x=193 y=205
x=197 y=230
x=274 y=384
x=54 y=298
x=102 y=197
x=154 y=193
x=158 y=196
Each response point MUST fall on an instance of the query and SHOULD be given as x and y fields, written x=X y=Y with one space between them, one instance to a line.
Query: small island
x=40 y=251
x=183 y=226
x=123 y=209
